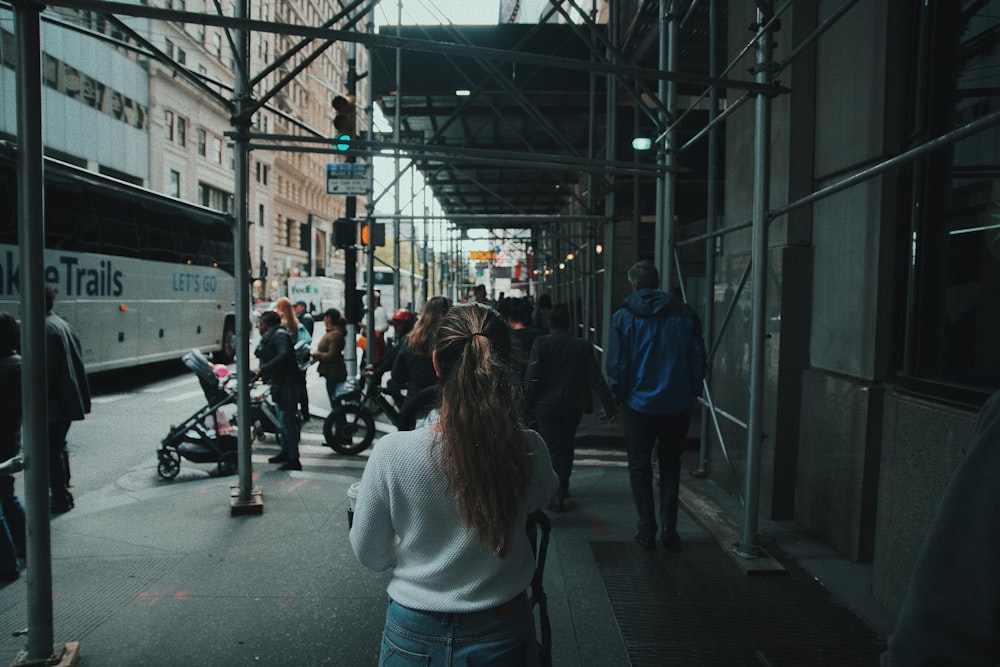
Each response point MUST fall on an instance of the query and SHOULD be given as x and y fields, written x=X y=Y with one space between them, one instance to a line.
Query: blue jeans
x=286 y=402
x=666 y=433
x=501 y=636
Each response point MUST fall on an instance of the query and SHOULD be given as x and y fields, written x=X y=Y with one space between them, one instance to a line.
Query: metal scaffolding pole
x=246 y=500
x=609 y=197
x=710 y=222
x=666 y=183
x=749 y=545
x=34 y=383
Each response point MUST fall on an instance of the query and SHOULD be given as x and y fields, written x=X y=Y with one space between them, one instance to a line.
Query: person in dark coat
x=656 y=365
x=12 y=535
x=278 y=366
x=561 y=375
x=413 y=367
x=518 y=313
x=951 y=611
x=69 y=399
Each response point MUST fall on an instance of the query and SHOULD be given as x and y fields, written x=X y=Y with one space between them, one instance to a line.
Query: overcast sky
x=459 y=12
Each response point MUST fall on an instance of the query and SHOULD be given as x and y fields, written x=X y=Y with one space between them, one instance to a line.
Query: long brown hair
x=284 y=307
x=485 y=451
x=421 y=339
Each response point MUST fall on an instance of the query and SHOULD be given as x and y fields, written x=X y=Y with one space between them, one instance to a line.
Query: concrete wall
x=862 y=464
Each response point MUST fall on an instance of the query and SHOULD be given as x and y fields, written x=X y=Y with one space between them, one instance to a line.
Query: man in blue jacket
x=656 y=365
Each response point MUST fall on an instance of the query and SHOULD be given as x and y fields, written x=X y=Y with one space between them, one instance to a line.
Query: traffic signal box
x=345 y=233
x=377 y=232
x=344 y=121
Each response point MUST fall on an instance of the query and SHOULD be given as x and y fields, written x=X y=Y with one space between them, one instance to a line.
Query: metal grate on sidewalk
x=699 y=608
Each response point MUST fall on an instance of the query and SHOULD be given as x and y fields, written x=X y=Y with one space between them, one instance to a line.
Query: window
x=181 y=56
x=217 y=45
x=305 y=237
x=214 y=198
x=954 y=245
x=168 y=120
x=174 y=187
x=168 y=48
x=202 y=141
x=260 y=215
x=182 y=131
x=217 y=150
x=289 y=229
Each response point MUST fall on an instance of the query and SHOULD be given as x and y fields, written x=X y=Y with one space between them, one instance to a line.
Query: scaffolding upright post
x=710 y=223
x=749 y=541
x=245 y=500
x=34 y=383
x=666 y=186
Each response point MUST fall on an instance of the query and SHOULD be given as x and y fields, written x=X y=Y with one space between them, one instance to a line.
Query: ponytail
x=485 y=451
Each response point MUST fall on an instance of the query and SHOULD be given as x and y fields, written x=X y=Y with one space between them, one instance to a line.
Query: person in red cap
x=402 y=322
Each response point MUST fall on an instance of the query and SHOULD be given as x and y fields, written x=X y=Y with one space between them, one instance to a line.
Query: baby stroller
x=206 y=436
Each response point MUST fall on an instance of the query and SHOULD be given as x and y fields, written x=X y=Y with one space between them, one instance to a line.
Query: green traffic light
x=342 y=141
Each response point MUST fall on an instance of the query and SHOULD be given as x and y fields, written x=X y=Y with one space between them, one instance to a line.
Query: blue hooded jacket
x=656 y=356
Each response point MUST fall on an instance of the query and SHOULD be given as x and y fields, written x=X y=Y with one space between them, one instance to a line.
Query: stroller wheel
x=228 y=464
x=170 y=463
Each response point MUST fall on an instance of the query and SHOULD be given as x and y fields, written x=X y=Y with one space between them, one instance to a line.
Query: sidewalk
x=158 y=573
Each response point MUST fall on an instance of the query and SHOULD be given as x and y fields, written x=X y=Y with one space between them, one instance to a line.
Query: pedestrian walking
x=561 y=378
x=278 y=366
x=949 y=614
x=329 y=352
x=12 y=535
x=69 y=399
x=518 y=313
x=300 y=334
x=656 y=365
x=446 y=508
x=413 y=368
x=305 y=317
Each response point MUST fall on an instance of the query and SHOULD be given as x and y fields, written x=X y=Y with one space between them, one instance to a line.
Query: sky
x=431 y=12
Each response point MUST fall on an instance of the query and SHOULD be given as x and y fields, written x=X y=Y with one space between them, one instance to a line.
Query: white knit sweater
x=406 y=517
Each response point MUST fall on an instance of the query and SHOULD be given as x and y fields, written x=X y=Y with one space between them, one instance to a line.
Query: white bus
x=384 y=283
x=139 y=276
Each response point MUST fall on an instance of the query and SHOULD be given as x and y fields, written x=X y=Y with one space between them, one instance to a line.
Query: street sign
x=405 y=137
x=347 y=178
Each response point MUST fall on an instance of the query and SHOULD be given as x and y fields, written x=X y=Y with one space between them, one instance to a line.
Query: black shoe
x=6 y=577
x=291 y=465
x=61 y=508
x=645 y=542
x=278 y=458
x=672 y=542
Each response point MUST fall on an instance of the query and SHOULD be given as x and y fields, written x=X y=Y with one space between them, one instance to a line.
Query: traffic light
x=345 y=233
x=344 y=122
x=378 y=234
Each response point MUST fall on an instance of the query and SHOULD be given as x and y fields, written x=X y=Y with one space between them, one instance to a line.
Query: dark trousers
x=666 y=433
x=558 y=428
x=12 y=537
x=59 y=463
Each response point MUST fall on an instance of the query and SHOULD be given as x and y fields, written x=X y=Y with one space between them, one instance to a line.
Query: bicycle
x=355 y=408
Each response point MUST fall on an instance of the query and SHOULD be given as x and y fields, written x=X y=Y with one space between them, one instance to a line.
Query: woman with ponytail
x=446 y=507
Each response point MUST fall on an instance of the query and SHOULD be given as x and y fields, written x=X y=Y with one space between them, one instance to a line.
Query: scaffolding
x=590 y=219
